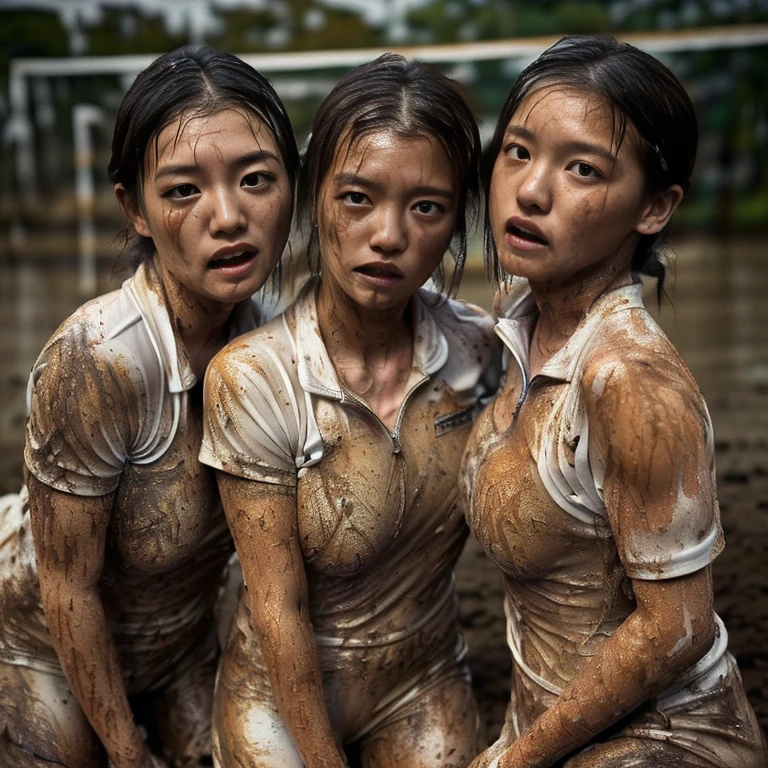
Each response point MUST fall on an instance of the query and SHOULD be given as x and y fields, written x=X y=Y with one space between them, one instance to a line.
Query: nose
x=389 y=231
x=226 y=214
x=535 y=190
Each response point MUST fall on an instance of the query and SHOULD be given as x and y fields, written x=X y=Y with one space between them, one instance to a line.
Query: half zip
x=523 y=390
x=394 y=435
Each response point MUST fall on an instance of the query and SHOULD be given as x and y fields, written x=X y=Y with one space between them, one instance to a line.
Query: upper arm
x=70 y=535
x=263 y=520
x=255 y=419
x=653 y=432
x=83 y=414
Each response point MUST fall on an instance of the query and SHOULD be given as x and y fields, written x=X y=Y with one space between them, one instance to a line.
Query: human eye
x=256 y=179
x=429 y=208
x=181 y=191
x=517 y=152
x=585 y=170
x=355 y=198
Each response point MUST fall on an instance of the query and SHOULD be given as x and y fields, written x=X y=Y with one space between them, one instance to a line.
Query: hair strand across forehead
x=190 y=81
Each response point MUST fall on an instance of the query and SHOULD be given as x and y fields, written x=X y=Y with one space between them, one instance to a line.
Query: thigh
x=247 y=731
x=42 y=723
x=714 y=730
x=435 y=727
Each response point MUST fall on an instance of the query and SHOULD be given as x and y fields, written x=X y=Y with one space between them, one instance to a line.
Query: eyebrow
x=516 y=131
x=251 y=158
x=343 y=179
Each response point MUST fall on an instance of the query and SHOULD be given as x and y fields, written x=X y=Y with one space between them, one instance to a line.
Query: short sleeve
x=81 y=406
x=254 y=413
x=657 y=457
x=474 y=361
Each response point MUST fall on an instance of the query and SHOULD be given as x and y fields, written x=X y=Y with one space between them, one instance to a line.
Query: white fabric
x=276 y=436
x=574 y=480
x=83 y=451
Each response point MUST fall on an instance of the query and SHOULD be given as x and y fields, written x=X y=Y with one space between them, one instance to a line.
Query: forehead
x=190 y=130
x=560 y=104
x=397 y=151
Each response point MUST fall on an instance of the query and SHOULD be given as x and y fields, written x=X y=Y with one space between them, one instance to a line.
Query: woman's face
x=563 y=204
x=216 y=201
x=386 y=213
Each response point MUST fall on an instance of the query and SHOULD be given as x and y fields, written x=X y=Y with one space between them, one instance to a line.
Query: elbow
x=697 y=639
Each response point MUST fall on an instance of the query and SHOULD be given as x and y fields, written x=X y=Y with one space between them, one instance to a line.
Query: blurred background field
x=64 y=65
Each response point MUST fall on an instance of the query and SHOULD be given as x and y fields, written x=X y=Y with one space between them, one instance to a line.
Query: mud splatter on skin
x=165 y=542
x=375 y=527
x=601 y=640
x=599 y=477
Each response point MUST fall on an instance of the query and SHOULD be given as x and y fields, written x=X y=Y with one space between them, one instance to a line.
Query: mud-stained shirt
x=119 y=355
x=378 y=519
x=533 y=485
x=113 y=410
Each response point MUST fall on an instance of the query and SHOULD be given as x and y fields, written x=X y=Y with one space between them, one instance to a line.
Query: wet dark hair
x=408 y=99
x=640 y=91
x=194 y=81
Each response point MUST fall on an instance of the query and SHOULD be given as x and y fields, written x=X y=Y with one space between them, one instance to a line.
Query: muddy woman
x=337 y=430
x=128 y=527
x=590 y=479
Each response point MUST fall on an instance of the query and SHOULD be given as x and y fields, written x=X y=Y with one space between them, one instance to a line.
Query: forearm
x=90 y=663
x=632 y=665
x=291 y=657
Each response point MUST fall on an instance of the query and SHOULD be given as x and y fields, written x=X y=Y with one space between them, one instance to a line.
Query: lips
x=231 y=258
x=526 y=231
x=381 y=270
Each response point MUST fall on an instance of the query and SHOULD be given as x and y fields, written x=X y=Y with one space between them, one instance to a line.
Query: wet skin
x=566 y=211
x=386 y=213
x=216 y=201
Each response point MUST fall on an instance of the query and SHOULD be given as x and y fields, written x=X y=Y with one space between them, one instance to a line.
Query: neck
x=563 y=306
x=201 y=325
x=362 y=339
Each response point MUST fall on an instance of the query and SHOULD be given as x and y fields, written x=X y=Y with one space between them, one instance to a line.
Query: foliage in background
x=729 y=87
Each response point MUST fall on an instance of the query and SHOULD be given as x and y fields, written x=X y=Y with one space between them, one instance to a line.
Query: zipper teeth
x=523 y=392
x=401 y=411
x=394 y=435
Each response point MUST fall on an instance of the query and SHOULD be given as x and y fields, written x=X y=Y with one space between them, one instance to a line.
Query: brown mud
x=718 y=321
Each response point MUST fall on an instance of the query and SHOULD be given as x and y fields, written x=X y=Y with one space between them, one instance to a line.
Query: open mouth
x=380 y=272
x=232 y=259
x=524 y=234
